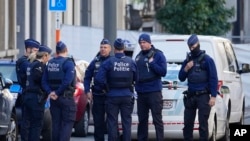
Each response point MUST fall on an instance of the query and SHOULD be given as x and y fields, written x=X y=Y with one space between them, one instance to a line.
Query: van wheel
x=226 y=136
x=213 y=136
x=12 y=133
x=81 y=127
x=241 y=122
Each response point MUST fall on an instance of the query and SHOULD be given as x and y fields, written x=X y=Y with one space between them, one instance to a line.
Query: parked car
x=173 y=111
x=8 y=119
x=84 y=106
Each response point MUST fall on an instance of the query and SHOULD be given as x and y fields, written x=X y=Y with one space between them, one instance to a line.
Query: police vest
x=197 y=73
x=31 y=85
x=145 y=74
x=56 y=73
x=21 y=74
x=121 y=74
x=98 y=62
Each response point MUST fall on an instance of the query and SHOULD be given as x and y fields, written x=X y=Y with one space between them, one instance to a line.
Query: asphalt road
x=88 y=138
x=91 y=129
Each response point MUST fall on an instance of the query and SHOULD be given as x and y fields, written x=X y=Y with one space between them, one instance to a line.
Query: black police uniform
x=60 y=76
x=21 y=67
x=202 y=81
x=34 y=100
x=99 y=97
x=120 y=73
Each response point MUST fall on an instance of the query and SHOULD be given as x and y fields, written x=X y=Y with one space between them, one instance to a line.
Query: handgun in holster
x=69 y=92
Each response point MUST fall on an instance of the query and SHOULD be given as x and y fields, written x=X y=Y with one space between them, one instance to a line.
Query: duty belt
x=195 y=93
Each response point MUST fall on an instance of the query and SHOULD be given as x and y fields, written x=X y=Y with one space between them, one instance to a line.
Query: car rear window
x=9 y=71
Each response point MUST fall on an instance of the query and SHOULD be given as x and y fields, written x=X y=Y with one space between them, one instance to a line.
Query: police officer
x=200 y=71
x=58 y=81
x=118 y=74
x=99 y=93
x=31 y=46
x=34 y=98
x=152 y=65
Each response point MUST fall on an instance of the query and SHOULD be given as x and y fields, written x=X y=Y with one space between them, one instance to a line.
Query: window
x=230 y=57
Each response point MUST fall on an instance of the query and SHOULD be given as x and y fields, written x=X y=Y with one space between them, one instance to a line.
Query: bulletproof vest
x=198 y=73
x=55 y=72
x=145 y=74
x=21 y=74
x=121 y=74
x=32 y=85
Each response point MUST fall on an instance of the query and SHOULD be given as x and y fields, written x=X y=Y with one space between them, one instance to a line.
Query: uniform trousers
x=63 y=115
x=32 y=117
x=124 y=105
x=99 y=116
x=145 y=102
x=193 y=103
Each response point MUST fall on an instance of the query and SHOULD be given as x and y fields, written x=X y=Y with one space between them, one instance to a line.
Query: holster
x=98 y=90
x=69 y=92
x=41 y=96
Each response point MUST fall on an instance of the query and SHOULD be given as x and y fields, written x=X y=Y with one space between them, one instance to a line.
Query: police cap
x=31 y=43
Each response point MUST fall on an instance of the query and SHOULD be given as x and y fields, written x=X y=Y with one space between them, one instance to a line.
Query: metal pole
x=110 y=20
x=58 y=23
x=33 y=19
x=44 y=37
x=21 y=26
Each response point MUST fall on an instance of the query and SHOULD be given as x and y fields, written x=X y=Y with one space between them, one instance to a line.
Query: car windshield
x=9 y=71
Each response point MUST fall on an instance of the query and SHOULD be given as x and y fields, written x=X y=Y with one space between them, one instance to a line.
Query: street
x=91 y=130
x=88 y=138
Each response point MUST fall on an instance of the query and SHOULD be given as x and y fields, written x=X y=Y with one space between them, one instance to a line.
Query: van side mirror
x=224 y=90
x=245 y=68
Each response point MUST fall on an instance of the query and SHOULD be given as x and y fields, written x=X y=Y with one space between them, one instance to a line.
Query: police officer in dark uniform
x=118 y=74
x=31 y=46
x=58 y=81
x=99 y=93
x=35 y=98
x=200 y=71
x=152 y=65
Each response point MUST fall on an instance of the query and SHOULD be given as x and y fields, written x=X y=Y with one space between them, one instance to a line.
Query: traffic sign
x=57 y=5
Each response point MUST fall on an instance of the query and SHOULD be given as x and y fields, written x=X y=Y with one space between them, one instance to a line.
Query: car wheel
x=241 y=122
x=47 y=127
x=82 y=126
x=213 y=137
x=12 y=133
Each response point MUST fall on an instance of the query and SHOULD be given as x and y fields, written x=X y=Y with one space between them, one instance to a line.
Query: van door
x=234 y=82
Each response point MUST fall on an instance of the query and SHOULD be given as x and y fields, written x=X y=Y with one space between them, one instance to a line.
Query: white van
x=220 y=49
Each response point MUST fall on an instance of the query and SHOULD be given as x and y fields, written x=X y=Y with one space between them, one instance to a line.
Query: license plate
x=168 y=104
